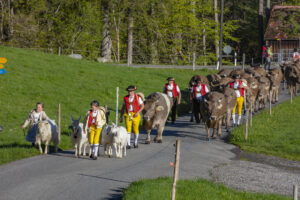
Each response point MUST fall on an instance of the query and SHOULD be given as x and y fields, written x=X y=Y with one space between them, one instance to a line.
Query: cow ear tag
x=159 y=108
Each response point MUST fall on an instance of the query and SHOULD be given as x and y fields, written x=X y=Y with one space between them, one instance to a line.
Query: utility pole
x=221 y=35
x=260 y=25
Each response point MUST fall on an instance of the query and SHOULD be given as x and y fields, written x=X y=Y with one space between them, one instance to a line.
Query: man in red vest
x=133 y=105
x=173 y=91
x=239 y=86
x=197 y=92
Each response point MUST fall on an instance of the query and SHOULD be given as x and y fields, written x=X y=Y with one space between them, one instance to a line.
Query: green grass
x=200 y=189
x=35 y=76
x=277 y=135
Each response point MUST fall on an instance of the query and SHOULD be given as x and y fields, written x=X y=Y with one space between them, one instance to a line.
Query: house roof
x=284 y=23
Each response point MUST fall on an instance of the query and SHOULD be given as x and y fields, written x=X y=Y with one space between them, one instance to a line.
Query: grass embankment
x=201 y=189
x=35 y=76
x=276 y=135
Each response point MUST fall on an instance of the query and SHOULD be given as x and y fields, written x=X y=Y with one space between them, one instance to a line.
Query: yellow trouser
x=95 y=135
x=239 y=105
x=132 y=125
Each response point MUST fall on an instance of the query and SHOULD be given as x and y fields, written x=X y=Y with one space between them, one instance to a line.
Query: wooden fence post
x=194 y=61
x=295 y=188
x=58 y=122
x=291 y=92
x=244 y=59
x=270 y=102
x=251 y=114
x=246 y=117
x=176 y=168
x=117 y=106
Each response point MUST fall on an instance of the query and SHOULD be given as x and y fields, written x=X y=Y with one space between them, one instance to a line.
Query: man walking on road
x=173 y=91
x=197 y=92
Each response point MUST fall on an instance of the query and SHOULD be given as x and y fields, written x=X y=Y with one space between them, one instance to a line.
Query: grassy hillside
x=200 y=189
x=276 y=135
x=35 y=76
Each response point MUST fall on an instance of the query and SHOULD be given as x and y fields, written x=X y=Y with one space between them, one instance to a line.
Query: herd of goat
x=215 y=108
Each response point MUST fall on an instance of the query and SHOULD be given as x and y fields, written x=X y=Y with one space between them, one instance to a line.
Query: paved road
x=61 y=176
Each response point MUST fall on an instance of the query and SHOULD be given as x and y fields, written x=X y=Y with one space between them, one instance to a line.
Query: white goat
x=78 y=138
x=47 y=132
x=106 y=140
x=119 y=140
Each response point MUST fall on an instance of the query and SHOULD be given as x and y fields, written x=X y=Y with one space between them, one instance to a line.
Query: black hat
x=131 y=88
x=170 y=79
x=236 y=76
x=95 y=102
x=198 y=80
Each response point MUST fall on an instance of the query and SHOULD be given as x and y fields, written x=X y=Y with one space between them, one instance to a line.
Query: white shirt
x=94 y=116
x=131 y=98
x=236 y=87
x=36 y=117
x=198 y=91
x=170 y=89
x=296 y=54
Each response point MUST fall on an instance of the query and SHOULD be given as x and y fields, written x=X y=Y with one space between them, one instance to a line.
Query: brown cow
x=225 y=72
x=263 y=91
x=253 y=72
x=156 y=111
x=292 y=75
x=213 y=78
x=213 y=109
x=275 y=75
x=230 y=102
x=194 y=78
x=260 y=70
x=221 y=84
x=252 y=93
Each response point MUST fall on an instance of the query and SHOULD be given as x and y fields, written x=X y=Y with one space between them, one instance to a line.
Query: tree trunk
x=268 y=10
x=153 y=40
x=2 y=19
x=217 y=28
x=204 y=45
x=260 y=25
x=194 y=40
x=117 y=29
x=106 y=43
x=177 y=48
x=130 y=39
x=118 y=42
x=11 y=17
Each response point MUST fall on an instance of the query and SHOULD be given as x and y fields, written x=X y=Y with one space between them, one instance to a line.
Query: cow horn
x=214 y=85
x=72 y=118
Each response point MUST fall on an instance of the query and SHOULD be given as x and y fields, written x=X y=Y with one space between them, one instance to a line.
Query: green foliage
x=34 y=76
x=164 y=31
x=275 y=135
x=198 y=189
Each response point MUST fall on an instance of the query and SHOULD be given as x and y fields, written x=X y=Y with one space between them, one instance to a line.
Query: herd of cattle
x=215 y=108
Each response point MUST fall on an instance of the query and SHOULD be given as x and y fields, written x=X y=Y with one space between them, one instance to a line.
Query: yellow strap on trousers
x=132 y=125
x=239 y=105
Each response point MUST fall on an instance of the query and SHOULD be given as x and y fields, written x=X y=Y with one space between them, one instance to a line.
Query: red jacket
x=134 y=103
x=90 y=120
x=203 y=92
x=240 y=89
x=174 y=91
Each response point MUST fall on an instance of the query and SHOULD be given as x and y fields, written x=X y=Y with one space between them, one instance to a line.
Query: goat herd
x=215 y=108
